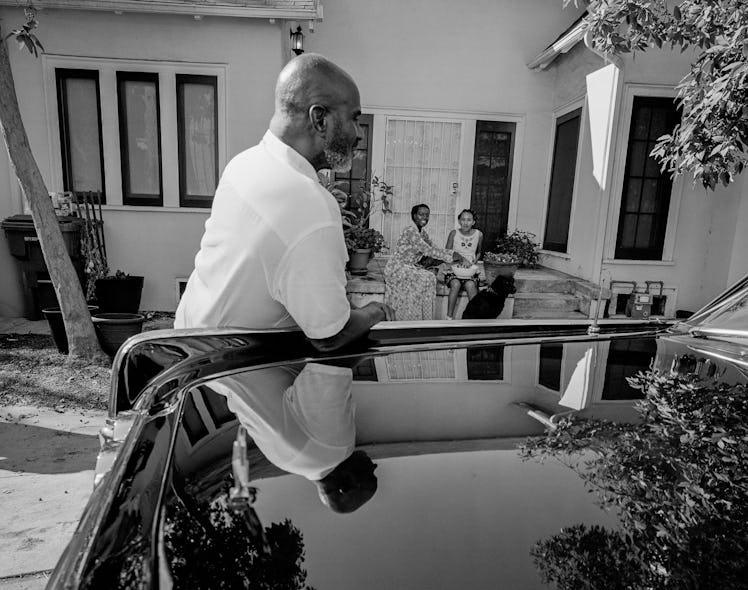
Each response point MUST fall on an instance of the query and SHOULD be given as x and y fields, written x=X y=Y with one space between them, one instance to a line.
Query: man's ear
x=317 y=117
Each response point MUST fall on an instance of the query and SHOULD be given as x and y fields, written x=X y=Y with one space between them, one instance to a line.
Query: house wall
x=456 y=60
x=701 y=254
x=158 y=242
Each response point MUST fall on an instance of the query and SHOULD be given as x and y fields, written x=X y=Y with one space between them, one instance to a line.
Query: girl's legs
x=454 y=291
x=471 y=289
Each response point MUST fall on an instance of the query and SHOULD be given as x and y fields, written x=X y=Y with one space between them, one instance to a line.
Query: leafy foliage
x=678 y=481
x=209 y=546
x=357 y=237
x=357 y=209
x=596 y=555
x=24 y=36
x=494 y=258
x=712 y=139
x=519 y=246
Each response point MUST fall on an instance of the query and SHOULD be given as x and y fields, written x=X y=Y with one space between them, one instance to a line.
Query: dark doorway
x=492 y=177
x=562 y=182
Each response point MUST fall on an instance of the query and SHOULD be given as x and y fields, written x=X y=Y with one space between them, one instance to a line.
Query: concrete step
x=545 y=314
x=529 y=302
x=543 y=285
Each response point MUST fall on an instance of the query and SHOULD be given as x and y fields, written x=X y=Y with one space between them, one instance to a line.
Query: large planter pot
x=113 y=329
x=57 y=326
x=493 y=270
x=119 y=295
x=358 y=260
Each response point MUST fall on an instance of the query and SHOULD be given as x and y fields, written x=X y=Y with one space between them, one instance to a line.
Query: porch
x=541 y=293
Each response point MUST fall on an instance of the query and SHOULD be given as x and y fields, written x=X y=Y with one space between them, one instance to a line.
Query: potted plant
x=118 y=292
x=495 y=264
x=362 y=243
x=519 y=244
x=361 y=240
x=113 y=329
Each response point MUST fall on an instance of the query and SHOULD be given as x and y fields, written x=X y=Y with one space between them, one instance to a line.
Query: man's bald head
x=317 y=106
x=311 y=79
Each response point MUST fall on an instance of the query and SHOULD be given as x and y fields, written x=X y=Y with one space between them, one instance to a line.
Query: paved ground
x=47 y=462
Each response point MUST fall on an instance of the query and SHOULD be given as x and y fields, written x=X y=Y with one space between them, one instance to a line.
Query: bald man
x=273 y=253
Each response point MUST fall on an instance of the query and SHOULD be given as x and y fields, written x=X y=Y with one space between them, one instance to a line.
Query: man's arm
x=358 y=325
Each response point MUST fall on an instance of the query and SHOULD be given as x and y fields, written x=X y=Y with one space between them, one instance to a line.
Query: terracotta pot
x=113 y=329
x=358 y=260
x=57 y=326
x=493 y=270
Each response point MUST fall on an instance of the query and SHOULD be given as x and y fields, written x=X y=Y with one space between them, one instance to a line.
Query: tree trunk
x=82 y=339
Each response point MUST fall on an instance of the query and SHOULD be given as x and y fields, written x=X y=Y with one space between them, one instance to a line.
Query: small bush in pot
x=363 y=238
x=520 y=244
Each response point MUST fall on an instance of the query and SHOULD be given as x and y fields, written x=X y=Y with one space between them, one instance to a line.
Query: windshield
x=728 y=313
x=391 y=471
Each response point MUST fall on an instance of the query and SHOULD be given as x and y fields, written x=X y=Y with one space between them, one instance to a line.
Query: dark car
x=247 y=459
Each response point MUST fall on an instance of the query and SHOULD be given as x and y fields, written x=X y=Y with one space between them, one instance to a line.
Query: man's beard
x=338 y=152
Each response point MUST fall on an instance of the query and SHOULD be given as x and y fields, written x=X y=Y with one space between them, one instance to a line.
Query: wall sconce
x=297 y=41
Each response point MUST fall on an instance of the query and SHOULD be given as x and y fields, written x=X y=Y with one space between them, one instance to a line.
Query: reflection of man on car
x=303 y=422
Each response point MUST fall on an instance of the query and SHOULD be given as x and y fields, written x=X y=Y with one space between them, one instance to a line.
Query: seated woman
x=468 y=241
x=411 y=289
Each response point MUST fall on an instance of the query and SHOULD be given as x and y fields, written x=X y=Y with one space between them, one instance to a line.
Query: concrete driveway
x=47 y=462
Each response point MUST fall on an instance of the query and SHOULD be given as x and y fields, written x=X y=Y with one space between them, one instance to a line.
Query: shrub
x=678 y=481
x=358 y=237
x=521 y=245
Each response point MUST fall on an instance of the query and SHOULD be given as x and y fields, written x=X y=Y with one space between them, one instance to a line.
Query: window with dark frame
x=549 y=365
x=646 y=191
x=563 y=171
x=81 y=144
x=356 y=180
x=140 y=138
x=625 y=359
x=485 y=363
x=197 y=134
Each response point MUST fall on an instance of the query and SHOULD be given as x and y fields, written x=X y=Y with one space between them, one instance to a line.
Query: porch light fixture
x=297 y=41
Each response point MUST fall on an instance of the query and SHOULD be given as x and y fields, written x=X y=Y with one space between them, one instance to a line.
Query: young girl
x=467 y=241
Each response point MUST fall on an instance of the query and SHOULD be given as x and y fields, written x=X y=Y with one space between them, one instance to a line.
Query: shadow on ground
x=33 y=449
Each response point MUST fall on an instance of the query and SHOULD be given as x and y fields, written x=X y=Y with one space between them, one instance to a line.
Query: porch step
x=542 y=285
x=545 y=314
x=527 y=303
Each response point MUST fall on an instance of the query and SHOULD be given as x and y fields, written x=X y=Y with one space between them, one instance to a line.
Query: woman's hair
x=415 y=209
x=475 y=217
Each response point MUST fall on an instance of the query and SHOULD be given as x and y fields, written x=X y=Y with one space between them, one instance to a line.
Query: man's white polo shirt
x=273 y=253
x=302 y=421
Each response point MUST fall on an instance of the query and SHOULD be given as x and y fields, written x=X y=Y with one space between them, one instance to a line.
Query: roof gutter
x=562 y=45
x=170 y=7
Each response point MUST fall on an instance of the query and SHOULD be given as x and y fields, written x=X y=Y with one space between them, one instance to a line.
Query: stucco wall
x=159 y=242
x=705 y=240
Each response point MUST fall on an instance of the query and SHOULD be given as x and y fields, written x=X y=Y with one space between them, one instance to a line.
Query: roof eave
x=167 y=7
x=562 y=45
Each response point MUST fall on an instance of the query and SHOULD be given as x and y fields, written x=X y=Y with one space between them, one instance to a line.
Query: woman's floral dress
x=410 y=289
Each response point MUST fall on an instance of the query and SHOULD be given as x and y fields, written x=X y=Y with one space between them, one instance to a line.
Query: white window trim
x=621 y=152
x=107 y=69
x=573 y=105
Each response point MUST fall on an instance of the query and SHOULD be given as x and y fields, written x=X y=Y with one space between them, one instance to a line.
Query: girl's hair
x=415 y=209
x=475 y=217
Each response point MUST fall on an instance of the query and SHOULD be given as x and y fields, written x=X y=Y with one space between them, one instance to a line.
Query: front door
x=492 y=177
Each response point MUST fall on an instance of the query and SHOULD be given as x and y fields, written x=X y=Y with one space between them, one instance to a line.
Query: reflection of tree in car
x=208 y=545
